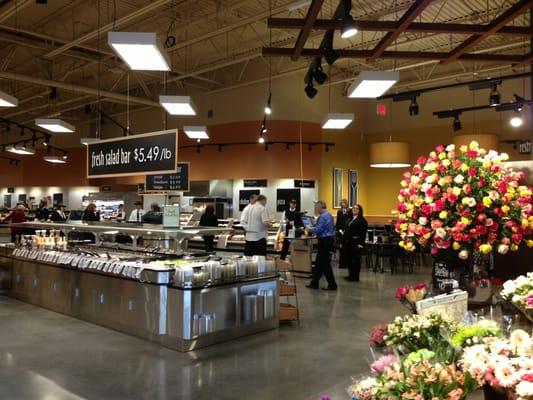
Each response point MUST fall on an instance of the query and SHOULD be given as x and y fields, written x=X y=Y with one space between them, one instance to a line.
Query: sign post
x=155 y=152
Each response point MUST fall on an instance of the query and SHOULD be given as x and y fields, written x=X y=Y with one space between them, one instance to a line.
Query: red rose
x=516 y=237
x=472 y=172
x=472 y=153
x=401 y=292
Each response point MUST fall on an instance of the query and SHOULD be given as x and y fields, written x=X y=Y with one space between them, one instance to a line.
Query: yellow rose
x=486 y=164
x=514 y=247
x=463 y=149
x=442 y=156
x=487 y=201
x=529 y=243
x=464 y=167
x=427 y=235
x=505 y=209
x=465 y=221
x=485 y=248
x=464 y=201
x=410 y=206
x=444 y=215
x=456 y=245
x=442 y=182
x=505 y=156
x=403 y=227
x=401 y=244
x=525 y=223
x=410 y=214
x=409 y=246
x=474 y=145
x=456 y=191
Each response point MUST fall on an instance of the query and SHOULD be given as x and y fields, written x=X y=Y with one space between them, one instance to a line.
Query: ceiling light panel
x=372 y=84
x=337 y=121
x=196 y=132
x=20 y=150
x=55 y=125
x=6 y=100
x=139 y=50
x=178 y=105
x=55 y=159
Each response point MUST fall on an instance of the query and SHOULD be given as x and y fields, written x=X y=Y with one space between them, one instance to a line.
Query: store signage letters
x=133 y=155
x=524 y=147
x=255 y=183
x=304 y=183
x=170 y=182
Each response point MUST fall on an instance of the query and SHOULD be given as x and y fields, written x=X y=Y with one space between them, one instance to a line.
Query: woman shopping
x=354 y=239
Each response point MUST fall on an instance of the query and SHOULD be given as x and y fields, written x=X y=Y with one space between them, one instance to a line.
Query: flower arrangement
x=519 y=292
x=365 y=389
x=383 y=362
x=464 y=199
x=376 y=338
x=504 y=364
x=409 y=295
x=474 y=334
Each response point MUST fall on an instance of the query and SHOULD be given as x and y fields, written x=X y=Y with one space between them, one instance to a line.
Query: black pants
x=344 y=253
x=208 y=243
x=323 y=263
x=256 y=248
x=354 y=266
x=285 y=249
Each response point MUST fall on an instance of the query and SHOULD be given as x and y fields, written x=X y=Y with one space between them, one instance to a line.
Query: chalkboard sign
x=106 y=188
x=169 y=182
x=7 y=200
x=22 y=198
x=11 y=190
x=133 y=155
x=442 y=276
x=304 y=183
x=57 y=198
x=255 y=183
x=284 y=196
x=244 y=197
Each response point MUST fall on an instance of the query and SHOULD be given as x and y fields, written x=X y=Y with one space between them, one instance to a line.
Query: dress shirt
x=256 y=223
x=244 y=215
x=136 y=215
x=324 y=226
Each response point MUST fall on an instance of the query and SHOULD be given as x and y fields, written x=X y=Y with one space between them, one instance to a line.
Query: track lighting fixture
x=494 y=97
x=413 y=107
x=329 y=53
x=310 y=91
x=268 y=107
x=349 y=28
x=319 y=75
x=457 y=123
x=516 y=120
x=261 y=139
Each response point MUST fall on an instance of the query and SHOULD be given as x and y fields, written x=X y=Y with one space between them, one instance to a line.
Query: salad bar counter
x=180 y=301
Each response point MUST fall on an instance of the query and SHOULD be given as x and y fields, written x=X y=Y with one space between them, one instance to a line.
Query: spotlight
x=516 y=121
x=319 y=75
x=413 y=107
x=264 y=128
x=198 y=140
x=310 y=91
x=494 y=98
x=268 y=108
x=348 y=27
x=457 y=124
x=261 y=139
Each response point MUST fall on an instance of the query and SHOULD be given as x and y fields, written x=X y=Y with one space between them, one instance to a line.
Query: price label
x=133 y=155
x=170 y=182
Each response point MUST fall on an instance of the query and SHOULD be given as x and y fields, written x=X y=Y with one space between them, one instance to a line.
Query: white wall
x=72 y=196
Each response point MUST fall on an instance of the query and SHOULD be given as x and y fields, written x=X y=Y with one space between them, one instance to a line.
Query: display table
x=302 y=254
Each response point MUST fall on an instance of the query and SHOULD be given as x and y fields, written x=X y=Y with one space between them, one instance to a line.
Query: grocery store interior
x=203 y=199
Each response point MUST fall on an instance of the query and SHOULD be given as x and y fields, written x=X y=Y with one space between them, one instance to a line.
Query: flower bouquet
x=376 y=338
x=519 y=292
x=408 y=295
x=471 y=335
x=464 y=200
x=504 y=365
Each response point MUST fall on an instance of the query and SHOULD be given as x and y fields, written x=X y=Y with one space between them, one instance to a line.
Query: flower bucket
x=492 y=394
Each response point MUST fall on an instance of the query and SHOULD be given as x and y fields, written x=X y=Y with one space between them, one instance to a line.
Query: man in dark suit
x=344 y=215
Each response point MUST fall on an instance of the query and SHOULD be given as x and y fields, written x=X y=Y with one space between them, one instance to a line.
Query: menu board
x=244 y=197
x=255 y=182
x=155 y=152
x=169 y=182
x=7 y=200
x=304 y=183
x=284 y=196
x=57 y=198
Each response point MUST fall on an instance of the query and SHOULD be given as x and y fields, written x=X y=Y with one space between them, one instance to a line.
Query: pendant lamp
x=485 y=141
x=389 y=155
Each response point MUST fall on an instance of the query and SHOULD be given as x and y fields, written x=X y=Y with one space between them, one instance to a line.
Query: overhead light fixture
x=88 y=140
x=319 y=75
x=178 y=105
x=348 y=27
x=329 y=53
x=268 y=107
x=261 y=139
x=6 y=100
x=337 y=121
x=55 y=125
x=20 y=150
x=372 y=84
x=413 y=107
x=457 y=126
x=494 y=97
x=389 y=155
x=196 y=132
x=139 y=50
x=310 y=91
x=516 y=120
x=298 y=4
x=55 y=159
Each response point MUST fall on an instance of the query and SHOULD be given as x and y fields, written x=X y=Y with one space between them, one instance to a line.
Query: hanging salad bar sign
x=148 y=153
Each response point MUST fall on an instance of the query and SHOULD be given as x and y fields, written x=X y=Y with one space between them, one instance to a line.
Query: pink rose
x=401 y=292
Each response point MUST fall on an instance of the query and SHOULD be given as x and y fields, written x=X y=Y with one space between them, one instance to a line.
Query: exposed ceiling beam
x=141 y=12
x=16 y=6
x=497 y=24
x=312 y=14
x=76 y=88
x=409 y=16
x=416 y=27
x=405 y=55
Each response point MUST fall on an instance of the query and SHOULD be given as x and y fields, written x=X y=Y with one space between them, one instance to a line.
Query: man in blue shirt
x=324 y=230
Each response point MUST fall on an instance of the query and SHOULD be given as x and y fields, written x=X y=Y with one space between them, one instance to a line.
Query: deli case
x=179 y=300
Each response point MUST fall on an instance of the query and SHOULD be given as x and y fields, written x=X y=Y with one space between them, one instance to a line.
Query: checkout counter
x=158 y=293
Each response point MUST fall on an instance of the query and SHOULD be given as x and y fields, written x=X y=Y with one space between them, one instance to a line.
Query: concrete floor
x=48 y=356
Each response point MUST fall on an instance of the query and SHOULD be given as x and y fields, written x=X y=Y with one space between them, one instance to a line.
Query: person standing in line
x=42 y=212
x=354 y=239
x=137 y=214
x=257 y=224
x=154 y=216
x=292 y=218
x=324 y=230
x=59 y=215
x=121 y=214
x=344 y=215
x=209 y=218
x=244 y=219
x=90 y=214
x=17 y=216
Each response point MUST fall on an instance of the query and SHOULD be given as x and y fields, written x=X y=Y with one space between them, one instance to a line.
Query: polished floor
x=48 y=356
